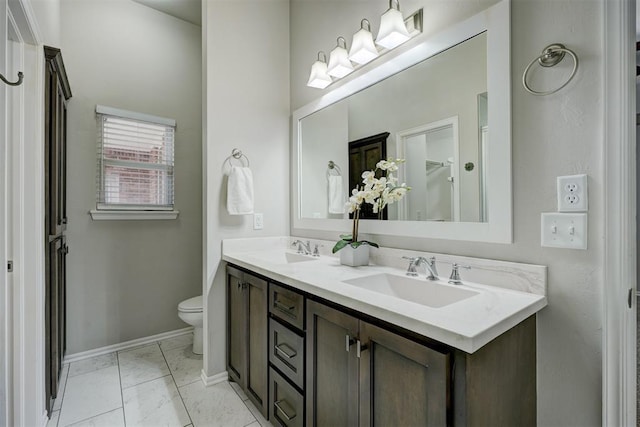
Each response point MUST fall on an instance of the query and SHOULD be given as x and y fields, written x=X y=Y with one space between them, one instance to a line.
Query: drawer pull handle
x=287 y=309
x=283 y=406
x=286 y=351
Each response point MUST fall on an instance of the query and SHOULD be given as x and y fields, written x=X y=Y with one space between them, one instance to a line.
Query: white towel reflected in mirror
x=335 y=194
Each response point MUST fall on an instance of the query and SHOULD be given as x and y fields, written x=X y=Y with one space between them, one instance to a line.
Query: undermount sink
x=290 y=257
x=277 y=257
x=418 y=290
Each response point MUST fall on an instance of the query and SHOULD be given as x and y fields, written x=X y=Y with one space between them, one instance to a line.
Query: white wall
x=126 y=278
x=47 y=14
x=553 y=135
x=246 y=63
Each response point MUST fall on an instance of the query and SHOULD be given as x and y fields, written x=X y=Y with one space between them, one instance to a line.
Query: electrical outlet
x=564 y=230
x=572 y=193
x=258 y=221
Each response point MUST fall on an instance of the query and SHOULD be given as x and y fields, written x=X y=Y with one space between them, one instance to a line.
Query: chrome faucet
x=430 y=264
x=303 y=248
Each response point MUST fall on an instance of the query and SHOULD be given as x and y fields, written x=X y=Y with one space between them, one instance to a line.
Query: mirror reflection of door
x=483 y=129
x=364 y=154
x=431 y=170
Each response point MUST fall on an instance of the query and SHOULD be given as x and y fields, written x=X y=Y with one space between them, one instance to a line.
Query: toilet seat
x=191 y=305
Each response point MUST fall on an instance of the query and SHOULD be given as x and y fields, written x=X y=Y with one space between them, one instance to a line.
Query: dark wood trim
x=54 y=58
x=369 y=139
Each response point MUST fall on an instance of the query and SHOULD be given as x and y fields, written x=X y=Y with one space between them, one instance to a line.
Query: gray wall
x=553 y=135
x=126 y=278
x=246 y=59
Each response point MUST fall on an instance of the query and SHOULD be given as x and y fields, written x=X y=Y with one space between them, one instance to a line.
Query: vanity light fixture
x=319 y=78
x=363 y=49
x=339 y=64
x=393 y=31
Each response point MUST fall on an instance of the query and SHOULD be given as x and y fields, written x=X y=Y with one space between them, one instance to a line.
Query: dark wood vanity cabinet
x=361 y=374
x=307 y=361
x=247 y=334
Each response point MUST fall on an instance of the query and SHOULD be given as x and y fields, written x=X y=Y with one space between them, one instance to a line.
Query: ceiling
x=187 y=10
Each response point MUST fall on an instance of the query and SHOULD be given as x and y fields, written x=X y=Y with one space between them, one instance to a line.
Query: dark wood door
x=236 y=326
x=332 y=367
x=402 y=383
x=257 y=337
x=57 y=93
x=248 y=334
x=364 y=154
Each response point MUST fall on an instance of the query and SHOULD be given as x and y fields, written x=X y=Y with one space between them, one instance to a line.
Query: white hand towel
x=240 y=191
x=336 y=197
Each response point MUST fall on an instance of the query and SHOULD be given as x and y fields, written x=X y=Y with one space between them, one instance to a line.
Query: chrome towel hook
x=551 y=56
x=16 y=83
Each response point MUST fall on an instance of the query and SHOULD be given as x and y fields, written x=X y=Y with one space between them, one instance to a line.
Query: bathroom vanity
x=311 y=345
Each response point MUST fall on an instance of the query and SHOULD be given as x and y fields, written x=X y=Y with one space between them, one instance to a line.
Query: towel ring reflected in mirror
x=333 y=167
x=237 y=155
x=551 y=56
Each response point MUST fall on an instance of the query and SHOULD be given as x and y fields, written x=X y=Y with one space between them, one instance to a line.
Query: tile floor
x=152 y=385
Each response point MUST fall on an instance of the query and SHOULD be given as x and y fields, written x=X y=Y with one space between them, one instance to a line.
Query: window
x=135 y=161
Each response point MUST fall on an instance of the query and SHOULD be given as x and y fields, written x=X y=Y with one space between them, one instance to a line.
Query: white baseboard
x=125 y=345
x=214 y=379
x=45 y=419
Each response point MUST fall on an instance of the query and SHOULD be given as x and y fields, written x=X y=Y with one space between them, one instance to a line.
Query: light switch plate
x=564 y=230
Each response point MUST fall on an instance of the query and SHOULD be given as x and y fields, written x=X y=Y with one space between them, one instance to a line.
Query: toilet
x=190 y=311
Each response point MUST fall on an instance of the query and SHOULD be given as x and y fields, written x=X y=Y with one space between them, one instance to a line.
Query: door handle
x=348 y=342
x=360 y=348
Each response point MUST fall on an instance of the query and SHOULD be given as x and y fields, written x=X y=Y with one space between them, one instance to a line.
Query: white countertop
x=466 y=325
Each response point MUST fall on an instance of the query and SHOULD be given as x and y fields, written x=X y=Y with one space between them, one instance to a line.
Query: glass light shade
x=393 y=32
x=319 y=78
x=363 y=49
x=339 y=64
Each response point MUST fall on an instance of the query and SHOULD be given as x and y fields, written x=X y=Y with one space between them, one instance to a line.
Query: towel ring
x=332 y=166
x=238 y=155
x=551 y=56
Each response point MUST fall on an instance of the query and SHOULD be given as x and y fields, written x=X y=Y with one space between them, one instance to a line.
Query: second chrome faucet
x=430 y=264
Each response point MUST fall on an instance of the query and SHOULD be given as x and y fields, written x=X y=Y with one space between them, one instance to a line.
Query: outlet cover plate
x=573 y=193
x=258 y=221
x=564 y=230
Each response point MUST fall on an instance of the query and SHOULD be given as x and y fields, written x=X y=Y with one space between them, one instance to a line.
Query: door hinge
x=630 y=298
x=10 y=266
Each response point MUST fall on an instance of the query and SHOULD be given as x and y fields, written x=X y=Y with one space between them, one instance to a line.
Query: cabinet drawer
x=287 y=305
x=286 y=407
x=287 y=352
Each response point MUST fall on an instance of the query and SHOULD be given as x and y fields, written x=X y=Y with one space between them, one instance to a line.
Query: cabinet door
x=402 y=383
x=257 y=334
x=236 y=326
x=332 y=367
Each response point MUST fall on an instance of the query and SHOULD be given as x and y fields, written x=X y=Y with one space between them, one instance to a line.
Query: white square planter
x=354 y=257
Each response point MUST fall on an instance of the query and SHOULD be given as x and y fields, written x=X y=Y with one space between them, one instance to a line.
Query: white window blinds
x=135 y=160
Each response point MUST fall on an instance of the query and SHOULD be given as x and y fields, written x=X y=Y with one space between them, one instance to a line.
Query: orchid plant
x=378 y=192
